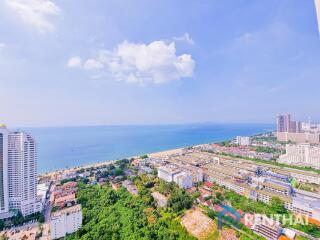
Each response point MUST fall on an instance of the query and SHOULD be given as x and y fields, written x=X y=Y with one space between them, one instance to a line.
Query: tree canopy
x=110 y=214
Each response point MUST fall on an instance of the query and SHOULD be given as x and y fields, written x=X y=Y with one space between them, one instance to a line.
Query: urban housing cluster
x=259 y=168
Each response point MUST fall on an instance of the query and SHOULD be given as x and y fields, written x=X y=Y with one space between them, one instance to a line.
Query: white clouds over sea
x=139 y=63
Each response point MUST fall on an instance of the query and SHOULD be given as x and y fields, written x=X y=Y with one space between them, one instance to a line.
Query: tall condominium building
x=18 y=173
x=317 y=3
x=285 y=124
x=22 y=169
x=302 y=154
x=4 y=199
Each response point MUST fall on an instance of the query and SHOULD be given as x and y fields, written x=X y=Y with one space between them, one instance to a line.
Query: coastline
x=63 y=148
x=106 y=163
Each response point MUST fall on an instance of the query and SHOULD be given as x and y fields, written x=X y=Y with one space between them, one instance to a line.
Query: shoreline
x=106 y=163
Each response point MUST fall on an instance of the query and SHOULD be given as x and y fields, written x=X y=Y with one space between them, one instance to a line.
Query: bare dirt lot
x=198 y=224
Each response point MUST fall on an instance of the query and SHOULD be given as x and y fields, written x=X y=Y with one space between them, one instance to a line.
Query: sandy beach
x=96 y=165
x=165 y=153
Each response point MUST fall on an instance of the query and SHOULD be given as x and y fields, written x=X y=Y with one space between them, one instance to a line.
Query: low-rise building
x=65 y=221
x=305 y=137
x=42 y=191
x=301 y=154
x=183 y=179
x=65 y=201
x=65 y=189
x=243 y=141
x=299 y=175
x=167 y=172
x=267 y=227
x=277 y=187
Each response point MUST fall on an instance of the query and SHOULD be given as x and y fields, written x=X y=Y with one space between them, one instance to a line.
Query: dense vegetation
x=110 y=214
x=270 y=138
x=250 y=206
x=178 y=200
x=19 y=219
x=267 y=150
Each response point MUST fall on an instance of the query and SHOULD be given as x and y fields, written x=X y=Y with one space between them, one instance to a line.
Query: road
x=47 y=214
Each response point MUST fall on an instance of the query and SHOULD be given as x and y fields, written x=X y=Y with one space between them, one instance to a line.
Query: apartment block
x=243 y=141
x=285 y=124
x=304 y=137
x=172 y=173
x=22 y=172
x=66 y=221
x=299 y=175
x=4 y=198
x=183 y=179
x=268 y=228
x=167 y=172
x=301 y=154
x=264 y=190
x=18 y=173
x=317 y=3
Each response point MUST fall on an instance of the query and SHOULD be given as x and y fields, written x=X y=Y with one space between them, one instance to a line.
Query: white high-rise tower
x=22 y=156
x=317 y=3
x=4 y=198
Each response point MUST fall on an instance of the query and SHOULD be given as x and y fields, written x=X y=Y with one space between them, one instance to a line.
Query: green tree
x=2 y=225
x=277 y=205
x=118 y=172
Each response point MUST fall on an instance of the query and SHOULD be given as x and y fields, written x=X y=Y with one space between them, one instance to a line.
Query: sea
x=64 y=147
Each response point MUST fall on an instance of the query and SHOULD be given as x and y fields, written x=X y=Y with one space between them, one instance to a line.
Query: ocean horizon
x=64 y=147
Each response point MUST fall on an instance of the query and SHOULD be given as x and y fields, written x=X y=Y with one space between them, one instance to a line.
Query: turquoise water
x=75 y=146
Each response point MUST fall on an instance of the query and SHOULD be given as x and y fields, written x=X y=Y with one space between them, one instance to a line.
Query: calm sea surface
x=74 y=146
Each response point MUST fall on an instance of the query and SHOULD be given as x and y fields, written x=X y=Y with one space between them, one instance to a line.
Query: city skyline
x=159 y=119
x=80 y=64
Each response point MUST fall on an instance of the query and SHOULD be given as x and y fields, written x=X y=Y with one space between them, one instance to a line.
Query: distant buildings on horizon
x=243 y=141
x=286 y=124
x=296 y=131
x=302 y=154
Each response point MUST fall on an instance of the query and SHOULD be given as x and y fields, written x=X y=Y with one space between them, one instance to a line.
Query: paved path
x=47 y=213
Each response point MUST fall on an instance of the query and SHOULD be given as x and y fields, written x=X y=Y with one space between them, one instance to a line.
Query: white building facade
x=22 y=172
x=167 y=172
x=302 y=154
x=184 y=180
x=66 y=221
x=18 y=172
x=4 y=194
x=243 y=141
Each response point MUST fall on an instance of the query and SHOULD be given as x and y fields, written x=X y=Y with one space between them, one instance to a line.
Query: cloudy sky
x=97 y=62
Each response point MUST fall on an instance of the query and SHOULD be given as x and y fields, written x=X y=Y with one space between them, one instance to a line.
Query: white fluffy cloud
x=35 y=13
x=93 y=64
x=2 y=46
x=184 y=38
x=74 y=62
x=156 y=63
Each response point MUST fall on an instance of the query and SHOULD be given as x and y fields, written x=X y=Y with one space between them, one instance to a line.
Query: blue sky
x=77 y=62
